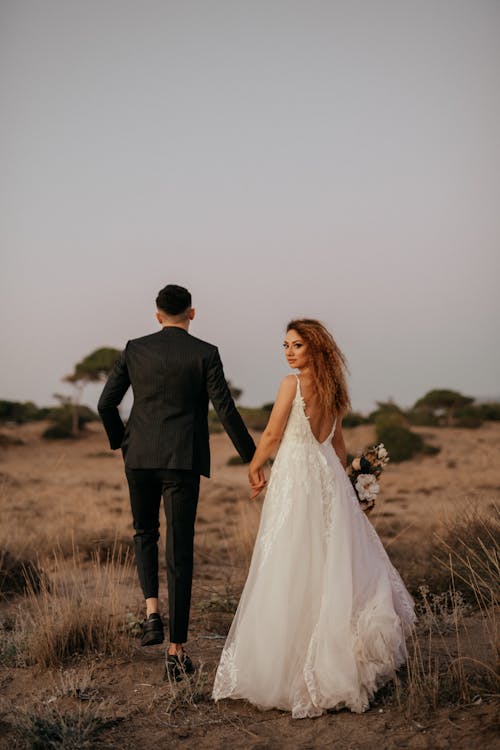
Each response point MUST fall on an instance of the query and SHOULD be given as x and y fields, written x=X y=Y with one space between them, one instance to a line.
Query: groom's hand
x=257 y=480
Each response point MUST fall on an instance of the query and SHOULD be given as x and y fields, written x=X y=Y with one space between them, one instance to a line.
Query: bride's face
x=296 y=350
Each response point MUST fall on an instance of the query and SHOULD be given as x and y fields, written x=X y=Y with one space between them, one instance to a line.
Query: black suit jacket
x=173 y=375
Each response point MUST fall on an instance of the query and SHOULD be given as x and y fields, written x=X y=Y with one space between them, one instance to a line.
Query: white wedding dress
x=322 y=619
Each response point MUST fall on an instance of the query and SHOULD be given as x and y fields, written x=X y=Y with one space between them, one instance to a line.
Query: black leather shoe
x=152 y=631
x=176 y=668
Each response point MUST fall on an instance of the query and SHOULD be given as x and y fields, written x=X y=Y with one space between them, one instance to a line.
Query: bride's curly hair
x=328 y=364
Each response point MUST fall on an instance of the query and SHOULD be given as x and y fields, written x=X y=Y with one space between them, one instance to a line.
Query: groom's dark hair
x=173 y=299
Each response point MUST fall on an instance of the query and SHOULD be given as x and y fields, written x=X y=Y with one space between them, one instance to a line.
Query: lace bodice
x=298 y=427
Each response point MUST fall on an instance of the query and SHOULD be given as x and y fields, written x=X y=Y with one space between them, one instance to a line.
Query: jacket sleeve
x=221 y=398
x=116 y=387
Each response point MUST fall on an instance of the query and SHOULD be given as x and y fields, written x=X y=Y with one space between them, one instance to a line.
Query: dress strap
x=299 y=392
x=332 y=432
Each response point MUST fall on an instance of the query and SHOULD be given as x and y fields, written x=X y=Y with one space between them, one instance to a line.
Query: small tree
x=93 y=368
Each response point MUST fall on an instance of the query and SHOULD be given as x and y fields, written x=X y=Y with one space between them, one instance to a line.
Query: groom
x=165 y=445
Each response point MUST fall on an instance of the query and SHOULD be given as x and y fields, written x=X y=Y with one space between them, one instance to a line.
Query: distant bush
x=388 y=411
x=354 y=419
x=490 y=411
x=401 y=443
x=61 y=431
x=234 y=461
x=469 y=416
x=21 y=412
x=430 y=450
x=6 y=441
x=267 y=407
x=255 y=419
x=422 y=418
x=393 y=430
x=62 y=422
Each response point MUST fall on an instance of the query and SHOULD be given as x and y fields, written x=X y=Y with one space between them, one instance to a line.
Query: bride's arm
x=272 y=434
x=339 y=444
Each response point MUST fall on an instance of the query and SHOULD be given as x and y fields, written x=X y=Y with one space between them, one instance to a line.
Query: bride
x=322 y=619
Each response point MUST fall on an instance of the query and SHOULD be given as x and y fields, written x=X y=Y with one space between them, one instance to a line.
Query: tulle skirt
x=323 y=616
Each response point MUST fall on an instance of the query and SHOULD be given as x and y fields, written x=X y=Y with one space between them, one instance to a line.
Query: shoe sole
x=152 y=640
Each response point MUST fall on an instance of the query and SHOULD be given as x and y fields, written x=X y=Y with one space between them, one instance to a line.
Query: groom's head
x=174 y=305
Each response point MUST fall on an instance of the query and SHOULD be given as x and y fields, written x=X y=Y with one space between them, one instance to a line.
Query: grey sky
x=338 y=160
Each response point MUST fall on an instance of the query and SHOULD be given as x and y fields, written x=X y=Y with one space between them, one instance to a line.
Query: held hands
x=257 y=480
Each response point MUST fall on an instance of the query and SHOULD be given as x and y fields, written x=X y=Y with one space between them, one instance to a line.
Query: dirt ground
x=73 y=495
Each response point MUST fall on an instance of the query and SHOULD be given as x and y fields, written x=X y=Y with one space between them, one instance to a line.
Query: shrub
x=234 y=461
x=430 y=450
x=20 y=412
x=61 y=431
x=62 y=418
x=401 y=443
x=255 y=419
x=7 y=441
x=46 y=727
x=469 y=416
x=388 y=411
x=268 y=406
x=422 y=418
x=354 y=419
x=393 y=431
x=490 y=411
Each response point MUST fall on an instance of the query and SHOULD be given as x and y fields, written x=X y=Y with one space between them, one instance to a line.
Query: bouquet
x=364 y=472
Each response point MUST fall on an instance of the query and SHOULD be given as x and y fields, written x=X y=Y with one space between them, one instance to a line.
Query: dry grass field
x=74 y=676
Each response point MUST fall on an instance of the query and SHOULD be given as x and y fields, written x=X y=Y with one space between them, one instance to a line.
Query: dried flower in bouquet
x=364 y=472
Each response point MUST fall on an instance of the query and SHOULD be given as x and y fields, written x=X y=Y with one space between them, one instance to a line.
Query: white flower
x=382 y=453
x=367 y=487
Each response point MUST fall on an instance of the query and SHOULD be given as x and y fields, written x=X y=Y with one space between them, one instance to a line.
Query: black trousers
x=180 y=490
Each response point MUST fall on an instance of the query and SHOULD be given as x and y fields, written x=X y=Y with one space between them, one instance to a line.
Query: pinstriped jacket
x=173 y=376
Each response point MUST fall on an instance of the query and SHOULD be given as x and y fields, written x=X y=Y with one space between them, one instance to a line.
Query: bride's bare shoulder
x=289 y=383
x=287 y=389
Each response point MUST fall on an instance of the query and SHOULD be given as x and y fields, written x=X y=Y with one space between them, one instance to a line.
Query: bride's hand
x=257 y=480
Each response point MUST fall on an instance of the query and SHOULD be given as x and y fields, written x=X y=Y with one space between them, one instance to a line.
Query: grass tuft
x=468 y=547
x=48 y=727
x=443 y=670
x=18 y=573
x=61 y=620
